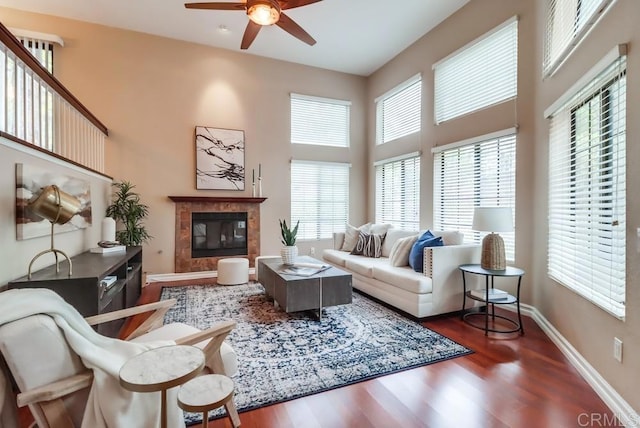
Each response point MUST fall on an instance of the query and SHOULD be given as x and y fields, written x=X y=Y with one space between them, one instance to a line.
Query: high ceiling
x=353 y=36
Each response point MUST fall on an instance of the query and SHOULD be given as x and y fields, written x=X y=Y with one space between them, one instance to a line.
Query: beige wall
x=589 y=329
x=151 y=92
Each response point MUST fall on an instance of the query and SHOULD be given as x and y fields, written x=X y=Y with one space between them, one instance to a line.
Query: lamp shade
x=492 y=219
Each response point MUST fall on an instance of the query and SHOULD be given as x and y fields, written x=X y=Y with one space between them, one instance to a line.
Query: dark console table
x=85 y=289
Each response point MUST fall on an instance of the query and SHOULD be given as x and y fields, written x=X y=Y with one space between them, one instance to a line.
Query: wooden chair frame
x=48 y=398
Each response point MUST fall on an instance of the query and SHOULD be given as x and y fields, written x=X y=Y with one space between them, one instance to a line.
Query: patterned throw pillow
x=368 y=245
x=399 y=254
x=351 y=236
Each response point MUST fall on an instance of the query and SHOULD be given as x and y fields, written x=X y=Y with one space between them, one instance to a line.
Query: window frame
x=319 y=226
x=315 y=124
x=587 y=186
x=407 y=221
x=457 y=94
x=462 y=213
x=412 y=119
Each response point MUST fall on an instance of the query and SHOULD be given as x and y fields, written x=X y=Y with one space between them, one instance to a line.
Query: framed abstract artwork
x=219 y=158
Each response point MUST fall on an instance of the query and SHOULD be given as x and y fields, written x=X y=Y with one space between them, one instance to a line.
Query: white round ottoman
x=233 y=271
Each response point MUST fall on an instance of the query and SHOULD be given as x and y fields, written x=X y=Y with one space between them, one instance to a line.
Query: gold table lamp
x=58 y=207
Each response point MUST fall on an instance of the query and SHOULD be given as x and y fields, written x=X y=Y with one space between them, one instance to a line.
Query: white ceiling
x=353 y=36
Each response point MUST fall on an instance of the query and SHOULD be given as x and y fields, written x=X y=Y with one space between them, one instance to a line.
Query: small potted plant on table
x=289 y=252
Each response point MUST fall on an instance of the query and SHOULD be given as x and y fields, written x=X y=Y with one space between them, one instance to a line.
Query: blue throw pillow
x=415 y=256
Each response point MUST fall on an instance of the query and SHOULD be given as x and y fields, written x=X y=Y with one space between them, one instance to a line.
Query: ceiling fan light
x=264 y=13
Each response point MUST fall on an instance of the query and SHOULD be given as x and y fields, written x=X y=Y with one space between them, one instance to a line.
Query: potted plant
x=289 y=252
x=127 y=209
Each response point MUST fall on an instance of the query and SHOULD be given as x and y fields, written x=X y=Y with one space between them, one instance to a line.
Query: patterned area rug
x=285 y=356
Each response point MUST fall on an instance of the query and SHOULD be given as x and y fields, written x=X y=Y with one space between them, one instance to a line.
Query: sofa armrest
x=442 y=260
x=338 y=240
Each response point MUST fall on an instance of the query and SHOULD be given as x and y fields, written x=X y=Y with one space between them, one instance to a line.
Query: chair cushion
x=21 y=344
x=351 y=234
x=177 y=330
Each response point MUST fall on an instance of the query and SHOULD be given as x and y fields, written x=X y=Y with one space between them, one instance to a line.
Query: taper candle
x=259 y=170
x=253 y=176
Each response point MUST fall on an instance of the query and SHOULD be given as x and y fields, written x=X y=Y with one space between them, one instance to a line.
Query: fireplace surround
x=187 y=206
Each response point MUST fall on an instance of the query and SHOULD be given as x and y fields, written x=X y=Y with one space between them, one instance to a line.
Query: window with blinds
x=479 y=173
x=399 y=111
x=41 y=49
x=587 y=186
x=319 y=198
x=567 y=23
x=398 y=192
x=481 y=74
x=320 y=121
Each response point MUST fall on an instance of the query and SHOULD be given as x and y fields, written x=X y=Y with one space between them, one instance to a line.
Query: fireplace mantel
x=214 y=199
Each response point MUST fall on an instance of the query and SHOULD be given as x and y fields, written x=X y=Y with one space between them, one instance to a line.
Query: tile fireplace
x=212 y=228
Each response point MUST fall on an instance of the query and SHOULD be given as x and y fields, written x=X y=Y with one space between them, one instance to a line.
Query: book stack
x=494 y=294
x=107 y=250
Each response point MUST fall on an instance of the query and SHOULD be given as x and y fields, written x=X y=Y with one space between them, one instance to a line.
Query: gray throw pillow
x=368 y=245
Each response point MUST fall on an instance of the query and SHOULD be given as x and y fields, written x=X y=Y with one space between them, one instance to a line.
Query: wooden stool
x=206 y=393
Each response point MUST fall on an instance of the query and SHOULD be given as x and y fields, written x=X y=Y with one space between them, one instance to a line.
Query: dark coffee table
x=293 y=293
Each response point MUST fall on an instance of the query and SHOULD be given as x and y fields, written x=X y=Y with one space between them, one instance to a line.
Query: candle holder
x=253 y=189
x=260 y=186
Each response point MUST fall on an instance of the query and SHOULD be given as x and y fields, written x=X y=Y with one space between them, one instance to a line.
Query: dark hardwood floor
x=509 y=381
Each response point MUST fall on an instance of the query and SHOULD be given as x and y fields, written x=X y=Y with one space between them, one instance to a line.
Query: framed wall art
x=30 y=180
x=219 y=158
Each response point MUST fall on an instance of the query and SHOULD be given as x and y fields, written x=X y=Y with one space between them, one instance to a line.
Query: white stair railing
x=35 y=108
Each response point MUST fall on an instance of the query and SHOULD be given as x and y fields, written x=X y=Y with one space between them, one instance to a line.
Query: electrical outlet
x=312 y=251
x=617 y=349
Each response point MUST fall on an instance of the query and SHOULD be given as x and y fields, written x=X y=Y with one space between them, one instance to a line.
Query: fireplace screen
x=218 y=234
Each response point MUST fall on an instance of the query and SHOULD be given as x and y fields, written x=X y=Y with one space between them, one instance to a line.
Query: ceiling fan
x=261 y=13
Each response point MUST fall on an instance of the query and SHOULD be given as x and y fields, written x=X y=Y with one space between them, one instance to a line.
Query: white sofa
x=436 y=291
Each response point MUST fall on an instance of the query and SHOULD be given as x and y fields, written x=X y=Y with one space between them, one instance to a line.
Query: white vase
x=289 y=254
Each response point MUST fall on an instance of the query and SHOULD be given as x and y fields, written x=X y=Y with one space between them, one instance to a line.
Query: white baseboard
x=620 y=408
x=165 y=277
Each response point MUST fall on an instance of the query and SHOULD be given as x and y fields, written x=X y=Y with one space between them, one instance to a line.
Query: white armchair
x=52 y=378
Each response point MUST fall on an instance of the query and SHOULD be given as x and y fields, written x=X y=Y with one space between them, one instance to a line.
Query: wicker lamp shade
x=493 y=219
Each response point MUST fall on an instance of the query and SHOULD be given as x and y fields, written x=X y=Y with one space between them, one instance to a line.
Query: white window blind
x=479 y=174
x=567 y=23
x=587 y=187
x=319 y=198
x=41 y=49
x=399 y=111
x=398 y=192
x=320 y=121
x=481 y=74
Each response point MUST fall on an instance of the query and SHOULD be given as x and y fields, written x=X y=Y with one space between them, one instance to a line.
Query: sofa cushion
x=402 y=277
x=335 y=257
x=399 y=254
x=392 y=237
x=450 y=237
x=364 y=265
x=368 y=245
x=425 y=240
x=351 y=234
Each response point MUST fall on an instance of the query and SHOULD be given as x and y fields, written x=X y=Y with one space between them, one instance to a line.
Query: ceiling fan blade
x=216 y=6
x=290 y=4
x=250 y=34
x=290 y=26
